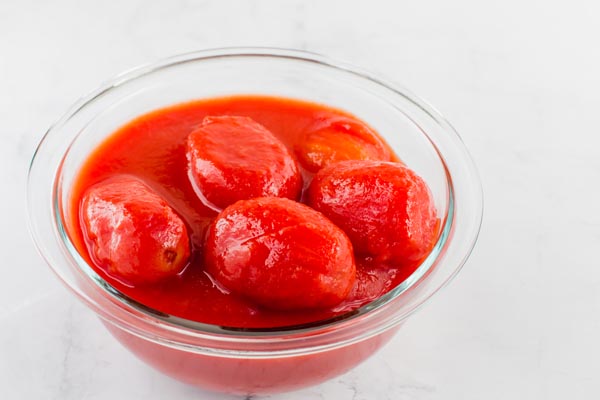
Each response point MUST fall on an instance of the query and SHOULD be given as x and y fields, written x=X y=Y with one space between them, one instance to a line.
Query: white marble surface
x=519 y=79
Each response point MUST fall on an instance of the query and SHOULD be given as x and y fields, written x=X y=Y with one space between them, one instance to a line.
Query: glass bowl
x=254 y=361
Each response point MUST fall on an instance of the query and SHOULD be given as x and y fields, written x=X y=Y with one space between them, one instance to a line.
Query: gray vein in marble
x=65 y=385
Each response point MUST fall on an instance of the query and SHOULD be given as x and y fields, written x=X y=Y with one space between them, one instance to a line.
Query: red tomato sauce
x=152 y=147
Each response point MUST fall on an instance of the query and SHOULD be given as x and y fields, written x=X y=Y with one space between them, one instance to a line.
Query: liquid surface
x=153 y=148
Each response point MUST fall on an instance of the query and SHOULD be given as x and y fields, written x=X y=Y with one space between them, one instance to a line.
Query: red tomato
x=281 y=254
x=236 y=158
x=385 y=208
x=132 y=232
x=339 y=139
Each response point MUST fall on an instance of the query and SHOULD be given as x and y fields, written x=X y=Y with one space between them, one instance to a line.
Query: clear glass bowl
x=268 y=360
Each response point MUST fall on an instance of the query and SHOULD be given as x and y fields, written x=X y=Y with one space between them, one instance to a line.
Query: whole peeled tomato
x=330 y=140
x=385 y=208
x=235 y=158
x=133 y=233
x=281 y=254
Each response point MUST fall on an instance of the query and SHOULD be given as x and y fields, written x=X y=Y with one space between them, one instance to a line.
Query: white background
x=518 y=79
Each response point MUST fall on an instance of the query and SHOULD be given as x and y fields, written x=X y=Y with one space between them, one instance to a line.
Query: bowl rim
x=183 y=326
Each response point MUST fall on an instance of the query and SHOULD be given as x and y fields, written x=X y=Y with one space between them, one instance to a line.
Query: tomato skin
x=234 y=158
x=281 y=254
x=385 y=208
x=339 y=139
x=132 y=232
